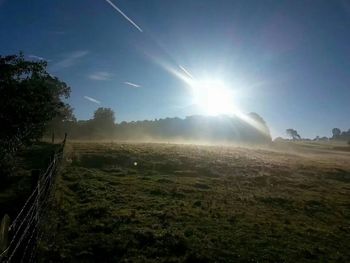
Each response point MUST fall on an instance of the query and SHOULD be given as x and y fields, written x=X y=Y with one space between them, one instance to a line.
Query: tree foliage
x=104 y=117
x=336 y=132
x=103 y=123
x=29 y=98
x=293 y=134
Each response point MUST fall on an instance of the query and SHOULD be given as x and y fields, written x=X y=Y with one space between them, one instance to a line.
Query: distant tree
x=103 y=122
x=293 y=133
x=104 y=116
x=336 y=133
x=30 y=99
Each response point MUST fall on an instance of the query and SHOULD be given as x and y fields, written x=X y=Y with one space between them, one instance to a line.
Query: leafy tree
x=336 y=133
x=105 y=116
x=30 y=98
x=293 y=133
x=103 y=122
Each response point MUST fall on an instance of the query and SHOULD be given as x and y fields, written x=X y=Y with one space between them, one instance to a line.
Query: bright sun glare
x=212 y=96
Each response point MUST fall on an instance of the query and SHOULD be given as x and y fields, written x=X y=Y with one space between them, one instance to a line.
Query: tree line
x=195 y=128
x=337 y=135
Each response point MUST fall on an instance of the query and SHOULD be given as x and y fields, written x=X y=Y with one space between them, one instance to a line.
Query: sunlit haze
x=175 y=131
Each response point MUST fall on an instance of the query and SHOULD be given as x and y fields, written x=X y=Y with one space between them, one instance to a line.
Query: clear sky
x=289 y=61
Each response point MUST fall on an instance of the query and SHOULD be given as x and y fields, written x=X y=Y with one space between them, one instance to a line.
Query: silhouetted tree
x=293 y=133
x=103 y=122
x=336 y=133
x=30 y=98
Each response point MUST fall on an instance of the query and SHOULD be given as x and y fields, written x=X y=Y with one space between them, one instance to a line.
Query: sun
x=212 y=97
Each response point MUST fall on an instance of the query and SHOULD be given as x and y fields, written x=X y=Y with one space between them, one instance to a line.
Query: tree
x=293 y=133
x=104 y=116
x=336 y=133
x=103 y=122
x=30 y=98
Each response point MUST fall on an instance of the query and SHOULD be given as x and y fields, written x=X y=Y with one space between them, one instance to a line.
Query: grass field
x=188 y=203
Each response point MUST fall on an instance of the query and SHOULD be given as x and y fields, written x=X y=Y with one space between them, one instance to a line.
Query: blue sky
x=289 y=61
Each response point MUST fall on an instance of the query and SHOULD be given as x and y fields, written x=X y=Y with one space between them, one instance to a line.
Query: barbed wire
x=26 y=225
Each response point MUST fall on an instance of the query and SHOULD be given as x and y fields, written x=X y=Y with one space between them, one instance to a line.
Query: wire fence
x=19 y=239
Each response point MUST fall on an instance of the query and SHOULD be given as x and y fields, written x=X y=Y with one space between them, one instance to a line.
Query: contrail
x=132 y=84
x=124 y=15
x=36 y=57
x=92 y=99
x=69 y=60
x=184 y=70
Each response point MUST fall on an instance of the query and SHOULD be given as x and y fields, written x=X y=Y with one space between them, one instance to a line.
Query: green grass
x=187 y=203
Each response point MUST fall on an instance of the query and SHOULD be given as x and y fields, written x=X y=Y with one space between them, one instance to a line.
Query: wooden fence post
x=65 y=138
x=4 y=228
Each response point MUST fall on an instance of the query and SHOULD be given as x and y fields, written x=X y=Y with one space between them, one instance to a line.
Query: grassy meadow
x=118 y=202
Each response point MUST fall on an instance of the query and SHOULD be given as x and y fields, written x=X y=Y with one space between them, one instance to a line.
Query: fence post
x=65 y=138
x=4 y=228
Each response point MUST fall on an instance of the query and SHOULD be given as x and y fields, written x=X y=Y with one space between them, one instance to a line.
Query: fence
x=18 y=240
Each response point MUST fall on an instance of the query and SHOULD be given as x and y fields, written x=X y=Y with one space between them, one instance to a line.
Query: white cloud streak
x=101 y=75
x=92 y=100
x=70 y=60
x=124 y=15
x=132 y=84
